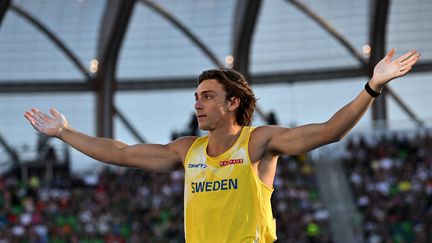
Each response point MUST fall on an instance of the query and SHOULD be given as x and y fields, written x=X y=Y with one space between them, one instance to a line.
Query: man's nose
x=198 y=105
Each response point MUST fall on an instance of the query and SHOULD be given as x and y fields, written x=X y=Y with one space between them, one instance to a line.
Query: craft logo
x=231 y=162
x=197 y=166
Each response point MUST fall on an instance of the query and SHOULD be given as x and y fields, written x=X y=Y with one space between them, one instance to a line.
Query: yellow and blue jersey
x=225 y=201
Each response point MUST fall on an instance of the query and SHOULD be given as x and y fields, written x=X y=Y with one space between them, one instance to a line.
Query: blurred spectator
x=391 y=179
x=300 y=216
x=126 y=205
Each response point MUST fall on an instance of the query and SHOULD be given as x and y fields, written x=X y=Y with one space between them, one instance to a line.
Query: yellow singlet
x=225 y=201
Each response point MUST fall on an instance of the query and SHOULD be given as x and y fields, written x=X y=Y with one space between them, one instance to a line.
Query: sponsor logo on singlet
x=230 y=162
x=197 y=166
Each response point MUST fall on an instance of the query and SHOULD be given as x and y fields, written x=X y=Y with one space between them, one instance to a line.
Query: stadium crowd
x=391 y=179
x=127 y=205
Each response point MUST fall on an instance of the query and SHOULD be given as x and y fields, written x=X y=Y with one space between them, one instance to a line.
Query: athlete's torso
x=225 y=201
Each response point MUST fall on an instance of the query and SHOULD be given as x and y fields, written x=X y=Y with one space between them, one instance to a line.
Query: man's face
x=211 y=106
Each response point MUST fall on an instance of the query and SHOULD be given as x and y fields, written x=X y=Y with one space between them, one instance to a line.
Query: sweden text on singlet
x=209 y=186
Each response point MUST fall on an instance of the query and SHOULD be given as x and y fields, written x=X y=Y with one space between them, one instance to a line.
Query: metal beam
x=377 y=40
x=51 y=36
x=185 y=30
x=317 y=75
x=9 y=150
x=129 y=125
x=330 y=29
x=313 y=75
x=27 y=86
x=112 y=32
x=60 y=85
x=380 y=20
x=405 y=108
x=4 y=5
x=185 y=82
x=244 y=25
x=421 y=67
x=259 y=79
x=377 y=35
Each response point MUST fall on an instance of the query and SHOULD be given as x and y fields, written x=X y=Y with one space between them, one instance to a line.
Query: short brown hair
x=235 y=85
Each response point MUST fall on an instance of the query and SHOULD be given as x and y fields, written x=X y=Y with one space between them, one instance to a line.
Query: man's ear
x=234 y=103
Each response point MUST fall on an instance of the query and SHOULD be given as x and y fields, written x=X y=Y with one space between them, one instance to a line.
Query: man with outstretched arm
x=229 y=173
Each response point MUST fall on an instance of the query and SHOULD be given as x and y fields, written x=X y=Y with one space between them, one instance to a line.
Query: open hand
x=387 y=69
x=50 y=126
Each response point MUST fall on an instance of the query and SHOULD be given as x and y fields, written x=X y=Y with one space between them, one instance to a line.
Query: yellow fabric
x=225 y=201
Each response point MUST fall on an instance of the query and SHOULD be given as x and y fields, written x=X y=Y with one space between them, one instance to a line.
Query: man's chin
x=203 y=127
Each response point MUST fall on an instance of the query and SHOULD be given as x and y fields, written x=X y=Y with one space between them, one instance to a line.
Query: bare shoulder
x=182 y=145
x=260 y=139
x=265 y=133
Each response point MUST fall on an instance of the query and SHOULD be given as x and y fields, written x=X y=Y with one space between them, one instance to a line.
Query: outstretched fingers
x=37 y=118
x=40 y=114
x=407 y=55
x=29 y=117
x=409 y=61
x=36 y=121
x=55 y=113
x=405 y=71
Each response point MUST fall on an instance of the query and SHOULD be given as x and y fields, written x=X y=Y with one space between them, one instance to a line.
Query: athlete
x=229 y=173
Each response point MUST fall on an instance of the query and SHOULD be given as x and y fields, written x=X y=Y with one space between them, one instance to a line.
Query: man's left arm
x=305 y=138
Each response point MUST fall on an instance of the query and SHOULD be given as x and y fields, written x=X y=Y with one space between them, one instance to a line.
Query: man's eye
x=208 y=97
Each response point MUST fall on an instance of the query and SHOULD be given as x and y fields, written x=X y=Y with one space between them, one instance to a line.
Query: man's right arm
x=149 y=157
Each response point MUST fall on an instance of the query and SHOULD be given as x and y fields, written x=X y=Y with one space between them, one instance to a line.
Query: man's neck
x=222 y=139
